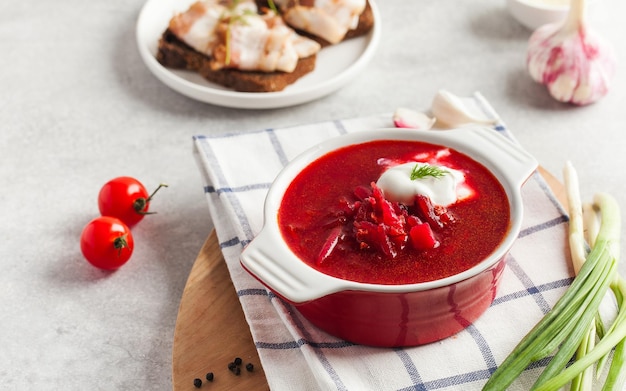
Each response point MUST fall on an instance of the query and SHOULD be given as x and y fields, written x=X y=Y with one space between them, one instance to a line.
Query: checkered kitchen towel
x=238 y=170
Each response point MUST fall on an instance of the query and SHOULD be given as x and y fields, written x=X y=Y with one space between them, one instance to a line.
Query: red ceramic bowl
x=391 y=315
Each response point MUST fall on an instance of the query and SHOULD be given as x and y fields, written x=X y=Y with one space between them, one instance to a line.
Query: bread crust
x=366 y=23
x=174 y=53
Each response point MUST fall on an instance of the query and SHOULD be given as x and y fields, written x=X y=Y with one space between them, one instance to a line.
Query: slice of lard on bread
x=232 y=44
x=327 y=21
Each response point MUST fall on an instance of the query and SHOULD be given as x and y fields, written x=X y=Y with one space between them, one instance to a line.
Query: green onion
x=573 y=327
x=578 y=250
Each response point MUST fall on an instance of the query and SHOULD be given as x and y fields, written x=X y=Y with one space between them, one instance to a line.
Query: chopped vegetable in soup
x=394 y=212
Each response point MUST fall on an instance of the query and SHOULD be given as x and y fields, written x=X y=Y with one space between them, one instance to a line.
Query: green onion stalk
x=272 y=6
x=572 y=331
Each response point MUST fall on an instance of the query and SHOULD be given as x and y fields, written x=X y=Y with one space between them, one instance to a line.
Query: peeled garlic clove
x=574 y=63
x=407 y=118
x=450 y=110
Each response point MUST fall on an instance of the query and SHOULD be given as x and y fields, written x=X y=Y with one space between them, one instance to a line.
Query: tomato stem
x=157 y=189
x=140 y=204
x=120 y=243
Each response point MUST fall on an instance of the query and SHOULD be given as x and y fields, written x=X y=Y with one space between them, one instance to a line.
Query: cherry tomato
x=125 y=198
x=106 y=242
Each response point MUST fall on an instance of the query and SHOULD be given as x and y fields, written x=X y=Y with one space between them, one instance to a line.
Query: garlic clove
x=407 y=118
x=450 y=111
x=572 y=61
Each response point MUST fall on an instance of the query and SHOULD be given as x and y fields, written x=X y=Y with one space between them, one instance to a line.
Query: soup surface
x=335 y=218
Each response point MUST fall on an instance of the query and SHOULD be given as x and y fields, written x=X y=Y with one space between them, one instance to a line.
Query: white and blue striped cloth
x=238 y=170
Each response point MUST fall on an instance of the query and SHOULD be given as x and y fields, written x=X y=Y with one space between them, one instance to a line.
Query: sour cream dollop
x=397 y=185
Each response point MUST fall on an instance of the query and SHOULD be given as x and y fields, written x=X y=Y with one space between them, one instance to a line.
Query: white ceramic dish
x=391 y=315
x=536 y=13
x=335 y=67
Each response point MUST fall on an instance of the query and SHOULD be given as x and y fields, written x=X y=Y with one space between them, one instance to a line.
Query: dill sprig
x=272 y=6
x=233 y=17
x=425 y=170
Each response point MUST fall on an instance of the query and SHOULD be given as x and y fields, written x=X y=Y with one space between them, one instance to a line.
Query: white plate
x=335 y=66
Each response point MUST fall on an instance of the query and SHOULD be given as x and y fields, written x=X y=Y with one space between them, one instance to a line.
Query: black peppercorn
x=210 y=376
x=249 y=367
x=231 y=366
x=197 y=383
x=238 y=361
x=237 y=371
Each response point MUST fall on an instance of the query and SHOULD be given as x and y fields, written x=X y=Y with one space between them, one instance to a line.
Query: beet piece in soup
x=335 y=217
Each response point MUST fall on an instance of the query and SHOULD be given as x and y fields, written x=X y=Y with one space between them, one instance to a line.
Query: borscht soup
x=394 y=212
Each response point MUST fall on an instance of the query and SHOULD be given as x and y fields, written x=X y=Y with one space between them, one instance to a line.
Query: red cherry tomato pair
x=106 y=242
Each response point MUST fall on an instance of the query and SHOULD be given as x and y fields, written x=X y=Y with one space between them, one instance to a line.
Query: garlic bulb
x=571 y=60
x=407 y=118
x=450 y=111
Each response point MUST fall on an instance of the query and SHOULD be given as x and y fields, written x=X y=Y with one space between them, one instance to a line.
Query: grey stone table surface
x=78 y=107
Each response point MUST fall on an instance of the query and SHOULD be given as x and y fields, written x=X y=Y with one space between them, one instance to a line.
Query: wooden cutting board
x=211 y=330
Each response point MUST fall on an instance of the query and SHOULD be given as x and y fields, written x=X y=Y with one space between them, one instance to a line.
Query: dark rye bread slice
x=366 y=23
x=174 y=53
